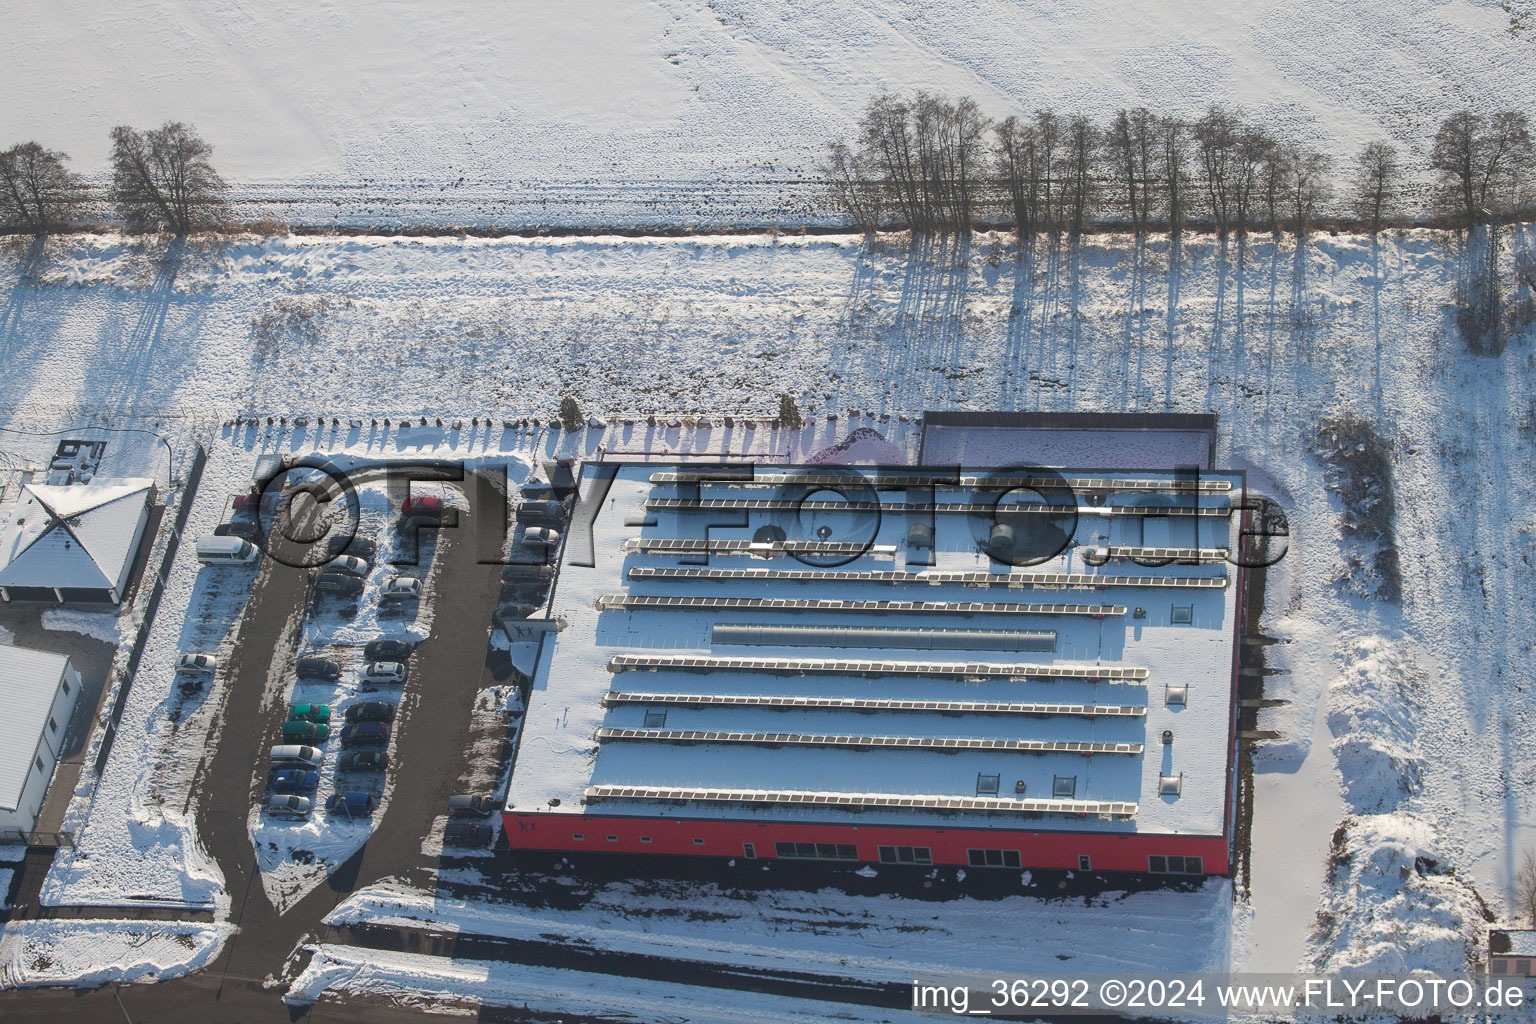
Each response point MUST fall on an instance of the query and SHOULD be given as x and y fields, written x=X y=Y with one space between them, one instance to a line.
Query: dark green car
x=305 y=732
x=310 y=713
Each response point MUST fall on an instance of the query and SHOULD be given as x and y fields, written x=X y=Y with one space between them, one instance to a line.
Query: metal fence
x=13 y=836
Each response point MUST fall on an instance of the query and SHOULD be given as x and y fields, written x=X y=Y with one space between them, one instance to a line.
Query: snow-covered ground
x=49 y=952
x=876 y=938
x=686 y=111
x=464 y=986
x=1423 y=708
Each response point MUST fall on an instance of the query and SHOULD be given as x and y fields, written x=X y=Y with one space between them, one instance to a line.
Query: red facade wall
x=722 y=838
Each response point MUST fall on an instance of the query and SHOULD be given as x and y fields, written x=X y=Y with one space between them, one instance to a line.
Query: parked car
x=365 y=734
x=541 y=537
x=359 y=547
x=526 y=571
x=353 y=803
x=294 y=755
x=338 y=583
x=193 y=662
x=254 y=501
x=401 y=588
x=363 y=761
x=310 y=713
x=294 y=780
x=548 y=512
x=529 y=592
x=299 y=732
x=349 y=565
x=539 y=490
x=423 y=505
x=408 y=525
x=385 y=672
x=313 y=667
x=467 y=833
x=464 y=805
x=241 y=528
x=372 y=711
x=226 y=551
x=388 y=650
x=289 y=806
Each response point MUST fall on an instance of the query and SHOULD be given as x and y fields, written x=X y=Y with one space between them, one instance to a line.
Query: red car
x=425 y=505
x=254 y=501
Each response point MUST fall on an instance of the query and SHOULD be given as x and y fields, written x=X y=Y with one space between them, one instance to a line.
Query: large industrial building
x=985 y=669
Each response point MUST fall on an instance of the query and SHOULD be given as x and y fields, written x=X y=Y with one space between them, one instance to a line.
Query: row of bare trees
x=162 y=179
x=938 y=165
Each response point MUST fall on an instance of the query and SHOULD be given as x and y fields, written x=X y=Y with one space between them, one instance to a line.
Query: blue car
x=352 y=804
x=364 y=734
x=294 y=780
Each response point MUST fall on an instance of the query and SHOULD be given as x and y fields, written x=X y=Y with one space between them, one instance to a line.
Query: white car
x=191 y=662
x=385 y=672
x=349 y=564
x=541 y=537
x=401 y=588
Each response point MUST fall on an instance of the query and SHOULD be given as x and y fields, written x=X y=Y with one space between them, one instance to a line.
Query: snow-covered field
x=683 y=111
x=1422 y=708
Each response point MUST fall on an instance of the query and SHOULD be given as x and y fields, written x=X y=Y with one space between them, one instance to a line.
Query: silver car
x=289 y=806
x=349 y=564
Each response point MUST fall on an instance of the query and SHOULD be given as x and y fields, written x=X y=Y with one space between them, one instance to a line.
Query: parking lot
x=440 y=735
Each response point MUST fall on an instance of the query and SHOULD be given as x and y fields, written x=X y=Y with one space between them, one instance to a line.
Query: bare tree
x=967 y=140
x=928 y=152
x=1251 y=152
x=1525 y=887
x=1012 y=161
x=1131 y=147
x=1173 y=148
x=1273 y=184
x=1482 y=161
x=163 y=177
x=886 y=144
x=37 y=192
x=1307 y=185
x=1079 y=150
x=853 y=185
x=1378 y=176
x=1215 y=136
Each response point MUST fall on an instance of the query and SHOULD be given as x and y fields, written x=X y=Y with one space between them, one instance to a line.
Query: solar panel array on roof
x=861 y=801
x=795 y=739
x=940 y=479
x=839 y=636
x=907 y=508
x=805 y=666
x=1048 y=580
x=791 y=604
x=977 y=707
x=1099 y=555
x=764 y=549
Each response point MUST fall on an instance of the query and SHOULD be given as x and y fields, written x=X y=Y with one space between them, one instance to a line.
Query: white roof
x=28 y=682
x=77 y=535
x=808 y=760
